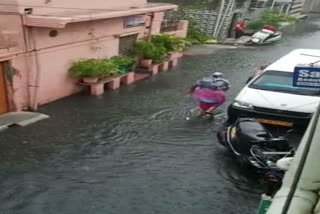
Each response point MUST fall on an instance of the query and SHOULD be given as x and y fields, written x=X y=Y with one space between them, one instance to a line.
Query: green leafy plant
x=148 y=50
x=159 y=54
x=169 y=42
x=124 y=63
x=10 y=71
x=273 y=18
x=144 y=49
x=255 y=25
x=179 y=44
x=108 y=68
x=99 y=68
x=195 y=36
x=163 y=40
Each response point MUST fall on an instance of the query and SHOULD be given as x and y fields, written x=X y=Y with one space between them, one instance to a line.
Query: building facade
x=39 y=39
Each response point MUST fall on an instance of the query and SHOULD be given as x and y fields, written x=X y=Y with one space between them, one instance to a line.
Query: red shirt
x=270 y=27
x=240 y=26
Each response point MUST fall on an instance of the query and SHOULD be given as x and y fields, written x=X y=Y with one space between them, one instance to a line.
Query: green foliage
x=124 y=63
x=148 y=50
x=107 y=67
x=9 y=71
x=179 y=43
x=195 y=36
x=270 y=18
x=163 y=40
x=160 y=47
x=93 y=68
x=169 y=42
x=144 y=49
x=255 y=25
x=159 y=54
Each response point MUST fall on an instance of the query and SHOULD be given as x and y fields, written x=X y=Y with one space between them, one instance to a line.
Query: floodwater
x=132 y=150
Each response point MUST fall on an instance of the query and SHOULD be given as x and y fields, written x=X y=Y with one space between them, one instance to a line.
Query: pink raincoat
x=208 y=98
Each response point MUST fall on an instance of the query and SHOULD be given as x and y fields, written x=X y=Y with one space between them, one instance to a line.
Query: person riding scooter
x=209 y=92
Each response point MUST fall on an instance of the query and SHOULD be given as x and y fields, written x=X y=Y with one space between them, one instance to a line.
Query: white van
x=271 y=97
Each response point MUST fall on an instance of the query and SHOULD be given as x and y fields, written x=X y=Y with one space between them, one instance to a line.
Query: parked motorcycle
x=254 y=146
x=264 y=36
x=245 y=133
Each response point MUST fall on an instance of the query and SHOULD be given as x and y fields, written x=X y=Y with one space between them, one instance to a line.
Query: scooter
x=255 y=147
x=245 y=133
x=264 y=36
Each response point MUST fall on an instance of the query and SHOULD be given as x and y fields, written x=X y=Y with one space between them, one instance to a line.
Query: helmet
x=217 y=74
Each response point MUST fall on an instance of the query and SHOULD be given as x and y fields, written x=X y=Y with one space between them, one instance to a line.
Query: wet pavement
x=132 y=151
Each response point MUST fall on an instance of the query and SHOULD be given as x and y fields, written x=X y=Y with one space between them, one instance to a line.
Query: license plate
x=275 y=122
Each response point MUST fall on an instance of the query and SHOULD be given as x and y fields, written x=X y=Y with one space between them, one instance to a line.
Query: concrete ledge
x=20 y=119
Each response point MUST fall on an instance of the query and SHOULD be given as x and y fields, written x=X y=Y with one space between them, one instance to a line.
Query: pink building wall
x=54 y=55
x=45 y=6
x=11 y=34
x=42 y=61
x=78 y=32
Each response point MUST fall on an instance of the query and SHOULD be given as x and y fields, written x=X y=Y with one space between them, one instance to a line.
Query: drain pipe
x=27 y=53
x=35 y=85
x=35 y=103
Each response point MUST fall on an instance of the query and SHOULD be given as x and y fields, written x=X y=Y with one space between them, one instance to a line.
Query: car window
x=280 y=81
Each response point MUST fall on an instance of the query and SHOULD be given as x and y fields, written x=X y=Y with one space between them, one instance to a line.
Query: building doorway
x=4 y=108
x=126 y=44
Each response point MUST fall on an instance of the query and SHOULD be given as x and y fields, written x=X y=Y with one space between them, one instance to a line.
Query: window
x=280 y=81
x=134 y=21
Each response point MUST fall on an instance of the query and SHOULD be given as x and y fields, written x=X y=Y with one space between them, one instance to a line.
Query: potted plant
x=108 y=68
x=91 y=70
x=164 y=40
x=145 y=50
x=124 y=63
x=173 y=44
x=159 y=54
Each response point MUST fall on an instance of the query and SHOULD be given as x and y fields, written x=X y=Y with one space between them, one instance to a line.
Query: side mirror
x=284 y=163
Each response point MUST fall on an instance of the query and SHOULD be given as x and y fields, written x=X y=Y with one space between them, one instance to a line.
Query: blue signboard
x=306 y=76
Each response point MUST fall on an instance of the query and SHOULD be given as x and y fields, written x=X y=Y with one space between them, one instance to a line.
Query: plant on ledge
x=145 y=50
x=171 y=43
x=149 y=52
x=274 y=18
x=164 y=40
x=91 y=70
x=159 y=54
x=124 y=63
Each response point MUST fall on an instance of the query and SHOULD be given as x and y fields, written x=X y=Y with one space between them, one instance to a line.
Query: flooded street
x=132 y=151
